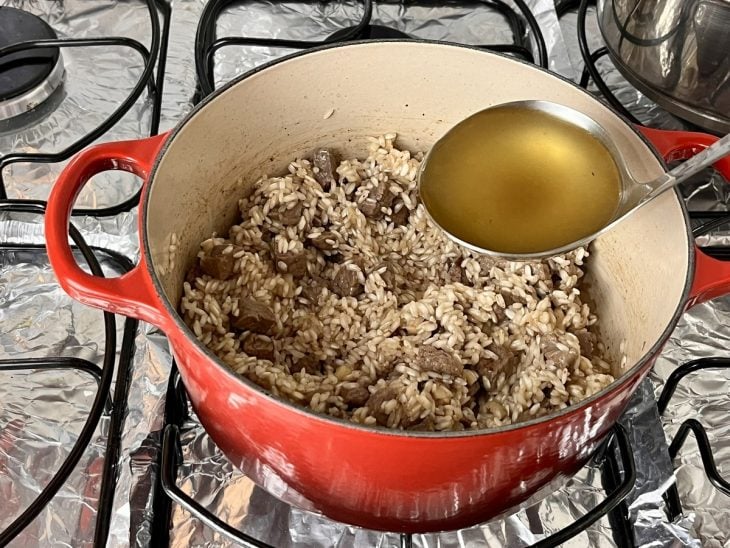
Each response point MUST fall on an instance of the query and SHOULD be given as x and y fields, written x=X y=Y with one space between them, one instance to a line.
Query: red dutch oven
x=643 y=274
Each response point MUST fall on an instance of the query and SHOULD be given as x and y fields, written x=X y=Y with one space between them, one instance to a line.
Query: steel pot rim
x=175 y=321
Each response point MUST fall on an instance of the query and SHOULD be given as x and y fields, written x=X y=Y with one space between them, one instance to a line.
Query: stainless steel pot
x=675 y=52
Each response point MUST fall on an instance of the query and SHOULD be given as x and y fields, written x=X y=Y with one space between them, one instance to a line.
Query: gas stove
x=98 y=444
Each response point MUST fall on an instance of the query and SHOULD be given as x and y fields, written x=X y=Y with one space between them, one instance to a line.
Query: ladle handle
x=686 y=169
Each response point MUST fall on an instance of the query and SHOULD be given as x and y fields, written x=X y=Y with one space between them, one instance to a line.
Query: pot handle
x=711 y=277
x=131 y=294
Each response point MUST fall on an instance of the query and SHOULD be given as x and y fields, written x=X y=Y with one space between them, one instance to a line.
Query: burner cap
x=371 y=32
x=21 y=72
x=27 y=77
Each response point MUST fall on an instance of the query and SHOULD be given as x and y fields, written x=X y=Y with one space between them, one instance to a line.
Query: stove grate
x=157 y=55
x=206 y=43
x=674 y=505
x=102 y=404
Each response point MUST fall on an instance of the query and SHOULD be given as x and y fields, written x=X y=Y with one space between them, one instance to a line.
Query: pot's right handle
x=131 y=294
x=712 y=277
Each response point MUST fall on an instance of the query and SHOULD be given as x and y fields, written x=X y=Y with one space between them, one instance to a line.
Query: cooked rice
x=525 y=357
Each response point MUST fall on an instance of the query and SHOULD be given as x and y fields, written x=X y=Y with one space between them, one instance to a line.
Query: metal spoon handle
x=682 y=172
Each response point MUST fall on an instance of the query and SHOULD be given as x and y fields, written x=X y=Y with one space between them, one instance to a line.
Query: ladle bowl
x=633 y=193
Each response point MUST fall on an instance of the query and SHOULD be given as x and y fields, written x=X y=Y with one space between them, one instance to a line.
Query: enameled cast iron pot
x=643 y=274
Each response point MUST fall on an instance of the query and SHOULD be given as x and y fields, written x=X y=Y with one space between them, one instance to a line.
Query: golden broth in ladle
x=517 y=180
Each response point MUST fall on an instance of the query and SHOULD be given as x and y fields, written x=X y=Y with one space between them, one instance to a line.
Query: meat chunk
x=324 y=163
x=401 y=217
x=194 y=273
x=254 y=316
x=424 y=425
x=455 y=273
x=218 y=264
x=511 y=298
x=288 y=216
x=326 y=241
x=508 y=298
x=346 y=283
x=486 y=263
x=377 y=399
x=378 y=198
x=390 y=279
x=556 y=353
x=500 y=312
x=290 y=262
x=587 y=341
x=267 y=236
x=310 y=364
x=259 y=346
x=312 y=288
x=354 y=395
x=334 y=258
x=430 y=358
x=505 y=362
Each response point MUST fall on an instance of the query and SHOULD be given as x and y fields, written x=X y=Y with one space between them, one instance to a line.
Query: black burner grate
x=671 y=497
x=102 y=402
x=206 y=43
x=35 y=46
x=148 y=79
x=370 y=32
x=590 y=71
x=705 y=221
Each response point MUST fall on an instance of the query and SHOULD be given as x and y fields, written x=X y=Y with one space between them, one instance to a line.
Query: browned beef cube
x=326 y=241
x=401 y=216
x=218 y=264
x=288 y=216
x=254 y=316
x=377 y=399
x=378 y=198
x=556 y=355
x=430 y=358
x=355 y=395
x=587 y=341
x=290 y=262
x=260 y=347
x=505 y=362
x=346 y=283
x=310 y=364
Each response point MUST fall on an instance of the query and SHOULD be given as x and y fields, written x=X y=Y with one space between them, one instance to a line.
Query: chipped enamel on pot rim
x=178 y=323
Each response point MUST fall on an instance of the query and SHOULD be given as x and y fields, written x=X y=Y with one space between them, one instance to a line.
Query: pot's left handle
x=711 y=277
x=131 y=294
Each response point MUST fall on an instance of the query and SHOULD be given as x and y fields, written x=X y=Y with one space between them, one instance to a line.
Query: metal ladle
x=634 y=194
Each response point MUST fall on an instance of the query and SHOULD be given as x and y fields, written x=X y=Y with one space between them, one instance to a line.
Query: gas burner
x=370 y=32
x=28 y=77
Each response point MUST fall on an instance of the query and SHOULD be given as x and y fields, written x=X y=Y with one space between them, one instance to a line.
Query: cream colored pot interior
x=637 y=271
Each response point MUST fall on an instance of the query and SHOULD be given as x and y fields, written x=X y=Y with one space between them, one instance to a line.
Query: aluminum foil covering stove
x=41 y=413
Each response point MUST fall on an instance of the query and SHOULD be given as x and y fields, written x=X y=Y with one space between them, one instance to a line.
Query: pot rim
x=177 y=321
